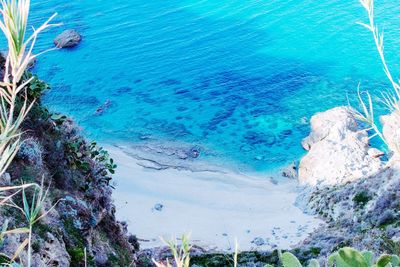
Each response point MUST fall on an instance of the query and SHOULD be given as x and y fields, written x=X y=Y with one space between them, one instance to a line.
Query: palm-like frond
x=15 y=14
x=390 y=98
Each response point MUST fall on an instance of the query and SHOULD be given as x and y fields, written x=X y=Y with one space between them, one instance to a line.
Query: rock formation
x=338 y=150
x=68 y=38
x=391 y=131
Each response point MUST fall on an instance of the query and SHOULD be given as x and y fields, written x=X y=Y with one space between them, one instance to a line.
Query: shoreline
x=160 y=197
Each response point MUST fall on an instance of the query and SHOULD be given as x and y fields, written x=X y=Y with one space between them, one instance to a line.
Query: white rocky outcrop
x=338 y=150
x=391 y=131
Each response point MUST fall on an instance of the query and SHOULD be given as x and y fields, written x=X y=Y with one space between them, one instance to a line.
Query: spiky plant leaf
x=19 y=250
x=383 y=260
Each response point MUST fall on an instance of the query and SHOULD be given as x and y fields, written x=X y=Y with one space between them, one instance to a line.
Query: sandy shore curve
x=215 y=206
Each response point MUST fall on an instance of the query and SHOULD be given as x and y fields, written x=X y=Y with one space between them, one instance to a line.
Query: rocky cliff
x=82 y=227
x=348 y=184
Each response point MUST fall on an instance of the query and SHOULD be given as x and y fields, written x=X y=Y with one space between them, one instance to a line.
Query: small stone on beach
x=258 y=241
x=290 y=171
x=158 y=207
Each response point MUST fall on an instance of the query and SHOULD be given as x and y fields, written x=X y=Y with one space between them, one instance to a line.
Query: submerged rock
x=338 y=150
x=100 y=110
x=68 y=38
x=194 y=152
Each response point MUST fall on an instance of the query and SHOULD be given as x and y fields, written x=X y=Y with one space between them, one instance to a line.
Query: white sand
x=214 y=207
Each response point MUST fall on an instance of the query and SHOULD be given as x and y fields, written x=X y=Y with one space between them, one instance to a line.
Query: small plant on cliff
x=31 y=207
x=362 y=197
x=93 y=161
x=101 y=155
x=181 y=254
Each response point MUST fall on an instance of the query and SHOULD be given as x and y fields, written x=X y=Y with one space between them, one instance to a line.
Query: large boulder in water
x=339 y=150
x=68 y=38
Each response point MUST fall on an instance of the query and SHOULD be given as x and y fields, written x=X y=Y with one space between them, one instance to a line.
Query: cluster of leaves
x=81 y=157
x=36 y=87
x=101 y=155
x=57 y=119
x=77 y=156
x=362 y=197
x=345 y=257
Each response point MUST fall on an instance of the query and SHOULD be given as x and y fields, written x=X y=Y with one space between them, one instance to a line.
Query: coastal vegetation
x=15 y=106
x=14 y=101
x=344 y=257
x=48 y=172
x=55 y=187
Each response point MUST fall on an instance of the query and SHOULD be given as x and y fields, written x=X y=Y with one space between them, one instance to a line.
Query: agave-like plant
x=13 y=91
x=32 y=208
x=378 y=39
x=6 y=199
x=13 y=88
x=181 y=254
x=391 y=97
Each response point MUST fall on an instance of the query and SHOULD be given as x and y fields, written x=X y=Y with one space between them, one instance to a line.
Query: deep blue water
x=237 y=77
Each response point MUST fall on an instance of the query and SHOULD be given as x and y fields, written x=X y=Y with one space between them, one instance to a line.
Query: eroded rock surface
x=339 y=150
x=359 y=199
x=53 y=253
x=363 y=214
x=391 y=131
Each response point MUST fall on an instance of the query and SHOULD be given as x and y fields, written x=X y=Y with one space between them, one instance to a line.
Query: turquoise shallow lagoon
x=236 y=77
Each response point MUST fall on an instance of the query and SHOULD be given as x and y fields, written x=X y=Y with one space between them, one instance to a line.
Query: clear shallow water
x=234 y=76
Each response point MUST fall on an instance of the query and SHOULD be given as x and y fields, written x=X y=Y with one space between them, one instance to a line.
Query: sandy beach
x=214 y=205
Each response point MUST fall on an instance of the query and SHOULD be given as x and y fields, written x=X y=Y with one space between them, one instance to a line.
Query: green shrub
x=362 y=197
x=36 y=87
x=344 y=257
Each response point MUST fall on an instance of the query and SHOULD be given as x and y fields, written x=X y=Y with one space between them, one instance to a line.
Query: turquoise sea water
x=236 y=77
